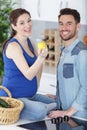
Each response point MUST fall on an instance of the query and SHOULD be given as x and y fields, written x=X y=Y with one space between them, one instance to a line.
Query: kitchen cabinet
x=49 y=10
x=80 y=6
x=46 y=10
x=32 y=6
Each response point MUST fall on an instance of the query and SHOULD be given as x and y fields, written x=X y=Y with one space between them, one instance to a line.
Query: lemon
x=41 y=45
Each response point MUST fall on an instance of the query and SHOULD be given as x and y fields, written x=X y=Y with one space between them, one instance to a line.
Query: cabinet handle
x=38 y=8
x=66 y=5
x=61 y=4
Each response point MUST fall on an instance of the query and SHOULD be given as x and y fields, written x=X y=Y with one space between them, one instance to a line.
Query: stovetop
x=56 y=124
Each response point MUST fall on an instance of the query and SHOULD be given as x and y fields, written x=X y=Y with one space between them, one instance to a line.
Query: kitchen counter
x=15 y=125
x=45 y=125
x=45 y=87
x=11 y=128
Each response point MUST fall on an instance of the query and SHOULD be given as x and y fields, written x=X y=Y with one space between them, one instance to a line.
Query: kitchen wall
x=40 y=26
x=41 y=10
x=44 y=14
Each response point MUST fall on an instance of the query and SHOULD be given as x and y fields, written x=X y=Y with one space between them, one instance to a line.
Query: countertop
x=15 y=126
x=47 y=81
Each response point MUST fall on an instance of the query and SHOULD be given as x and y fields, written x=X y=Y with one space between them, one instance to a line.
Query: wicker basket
x=10 y=115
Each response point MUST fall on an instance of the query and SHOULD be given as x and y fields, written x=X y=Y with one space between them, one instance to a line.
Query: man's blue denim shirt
x=72 y=78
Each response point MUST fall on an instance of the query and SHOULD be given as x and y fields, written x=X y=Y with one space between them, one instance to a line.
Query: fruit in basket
x=41 y=45
x=3 y=103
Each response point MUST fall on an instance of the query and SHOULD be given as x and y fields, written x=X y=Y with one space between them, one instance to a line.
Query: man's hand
x=69 y=112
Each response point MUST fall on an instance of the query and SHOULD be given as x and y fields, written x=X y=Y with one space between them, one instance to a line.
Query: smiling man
x=71 y=92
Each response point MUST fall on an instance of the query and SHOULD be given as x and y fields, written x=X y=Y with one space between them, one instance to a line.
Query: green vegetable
x=3 y=103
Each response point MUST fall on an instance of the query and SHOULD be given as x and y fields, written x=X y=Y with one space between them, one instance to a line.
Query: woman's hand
x=51 y=96
x=43 y=53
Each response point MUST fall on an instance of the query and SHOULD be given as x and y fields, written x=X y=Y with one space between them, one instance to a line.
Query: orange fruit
x=85 y=39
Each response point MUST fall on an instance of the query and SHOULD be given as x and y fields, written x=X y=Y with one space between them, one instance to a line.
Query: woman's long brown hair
x=13 y=20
